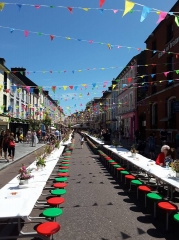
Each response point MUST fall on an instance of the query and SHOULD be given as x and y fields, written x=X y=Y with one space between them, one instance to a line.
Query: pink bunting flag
x=101 y=2
x=166 y=73
x=26 y=33
x=70 y=9
x=37 y=6
x=115 y=10
x=90 y=41
x=27 y=89
x=162 y=16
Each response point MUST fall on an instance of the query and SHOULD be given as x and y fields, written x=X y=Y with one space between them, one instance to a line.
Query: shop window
x=154 y=48
x=169 y=33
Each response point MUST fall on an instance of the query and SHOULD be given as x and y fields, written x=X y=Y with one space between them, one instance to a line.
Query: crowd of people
x=8 y=140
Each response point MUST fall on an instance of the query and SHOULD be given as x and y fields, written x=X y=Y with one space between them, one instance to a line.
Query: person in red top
x=161 y=157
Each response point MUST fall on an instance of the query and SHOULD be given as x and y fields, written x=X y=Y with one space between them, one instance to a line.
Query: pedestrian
x=82 y=141
x=5 y=144
x=33 y=138
x=57 y=134
x=11 y=146
x=1 y=140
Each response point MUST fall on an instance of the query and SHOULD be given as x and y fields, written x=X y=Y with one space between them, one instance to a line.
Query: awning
x=165 y=119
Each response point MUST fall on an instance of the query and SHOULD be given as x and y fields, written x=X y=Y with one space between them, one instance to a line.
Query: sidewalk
x=22 y=150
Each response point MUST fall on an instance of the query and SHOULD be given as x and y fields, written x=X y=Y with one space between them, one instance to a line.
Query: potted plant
x=175 y=167
x=41 y=161
x=24 y=175
x=57 y=144
x=133 y=150
x=115 y=143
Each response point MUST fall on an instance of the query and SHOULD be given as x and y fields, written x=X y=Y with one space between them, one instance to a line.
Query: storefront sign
x=176 y=106
x=4 y=119
x=168 y=47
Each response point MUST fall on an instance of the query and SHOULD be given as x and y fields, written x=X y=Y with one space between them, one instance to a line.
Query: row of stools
x=122 y=174
x=48 y=229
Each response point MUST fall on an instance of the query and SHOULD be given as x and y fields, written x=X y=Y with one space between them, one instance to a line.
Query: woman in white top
x=82 y=141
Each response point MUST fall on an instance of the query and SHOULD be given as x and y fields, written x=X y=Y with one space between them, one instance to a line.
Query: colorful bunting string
x=93 y=69
x=26 y=33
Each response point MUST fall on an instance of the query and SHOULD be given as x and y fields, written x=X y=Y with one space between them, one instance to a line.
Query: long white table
x=21 y=205
x=149 y=166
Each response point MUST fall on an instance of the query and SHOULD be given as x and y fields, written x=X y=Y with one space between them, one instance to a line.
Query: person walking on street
x=11 y=146
x=5 y=144
x=1 y=141
x=82 y=141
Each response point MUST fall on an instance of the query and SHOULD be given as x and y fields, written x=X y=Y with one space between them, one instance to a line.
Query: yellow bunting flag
x=65 y=87
x=128 y=6
x=1 y=6
x=113 y=86
x=86 y=9
x=1 y=87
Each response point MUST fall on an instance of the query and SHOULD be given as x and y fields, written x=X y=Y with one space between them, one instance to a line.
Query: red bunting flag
x=101 y=2
x=71 y=87
x=51 y=37
x=54 y=88
x=70 y=9
x=129 y=80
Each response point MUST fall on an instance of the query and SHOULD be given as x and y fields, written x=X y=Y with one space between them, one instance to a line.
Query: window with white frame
x=170 y=103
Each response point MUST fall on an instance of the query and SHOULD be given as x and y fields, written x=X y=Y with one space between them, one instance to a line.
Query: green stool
x=110 y=161
x=66 y=160
x=176 y=217
x=65 y=165
x=66 y=156
x=135 y=182
x=52 y=212
x=63 y=170
x=116 y=166
x=58 y=192
x=124 y=173
x=62 y=179
x=155 y=197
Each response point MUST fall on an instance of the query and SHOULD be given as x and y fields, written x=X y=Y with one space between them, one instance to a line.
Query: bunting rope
x=91 y=69
x=109 y=45
x=128 y=8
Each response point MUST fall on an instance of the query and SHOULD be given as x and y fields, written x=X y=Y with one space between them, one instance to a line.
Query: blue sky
x=40 y=53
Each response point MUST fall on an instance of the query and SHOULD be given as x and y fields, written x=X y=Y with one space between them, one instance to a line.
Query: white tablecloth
x=167 y=175
x=21 y=204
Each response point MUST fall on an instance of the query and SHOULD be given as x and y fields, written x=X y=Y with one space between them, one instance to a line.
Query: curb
x=6 y=165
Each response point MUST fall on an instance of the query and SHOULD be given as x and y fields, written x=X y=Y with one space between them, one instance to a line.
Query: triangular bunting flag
x=128 y=6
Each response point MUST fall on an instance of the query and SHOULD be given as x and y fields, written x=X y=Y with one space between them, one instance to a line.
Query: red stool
x=59 y=185
x=168 y=207
x=119 y=169
x=55 y=201
x=65 y=162
x=48 y=229
x=129 y=177
x=63 y=174
x=63 y=167
x=144 y=189
x=113 y=163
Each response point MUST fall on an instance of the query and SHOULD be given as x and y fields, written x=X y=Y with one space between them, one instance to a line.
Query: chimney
x=2 y=61
x=19 y=70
